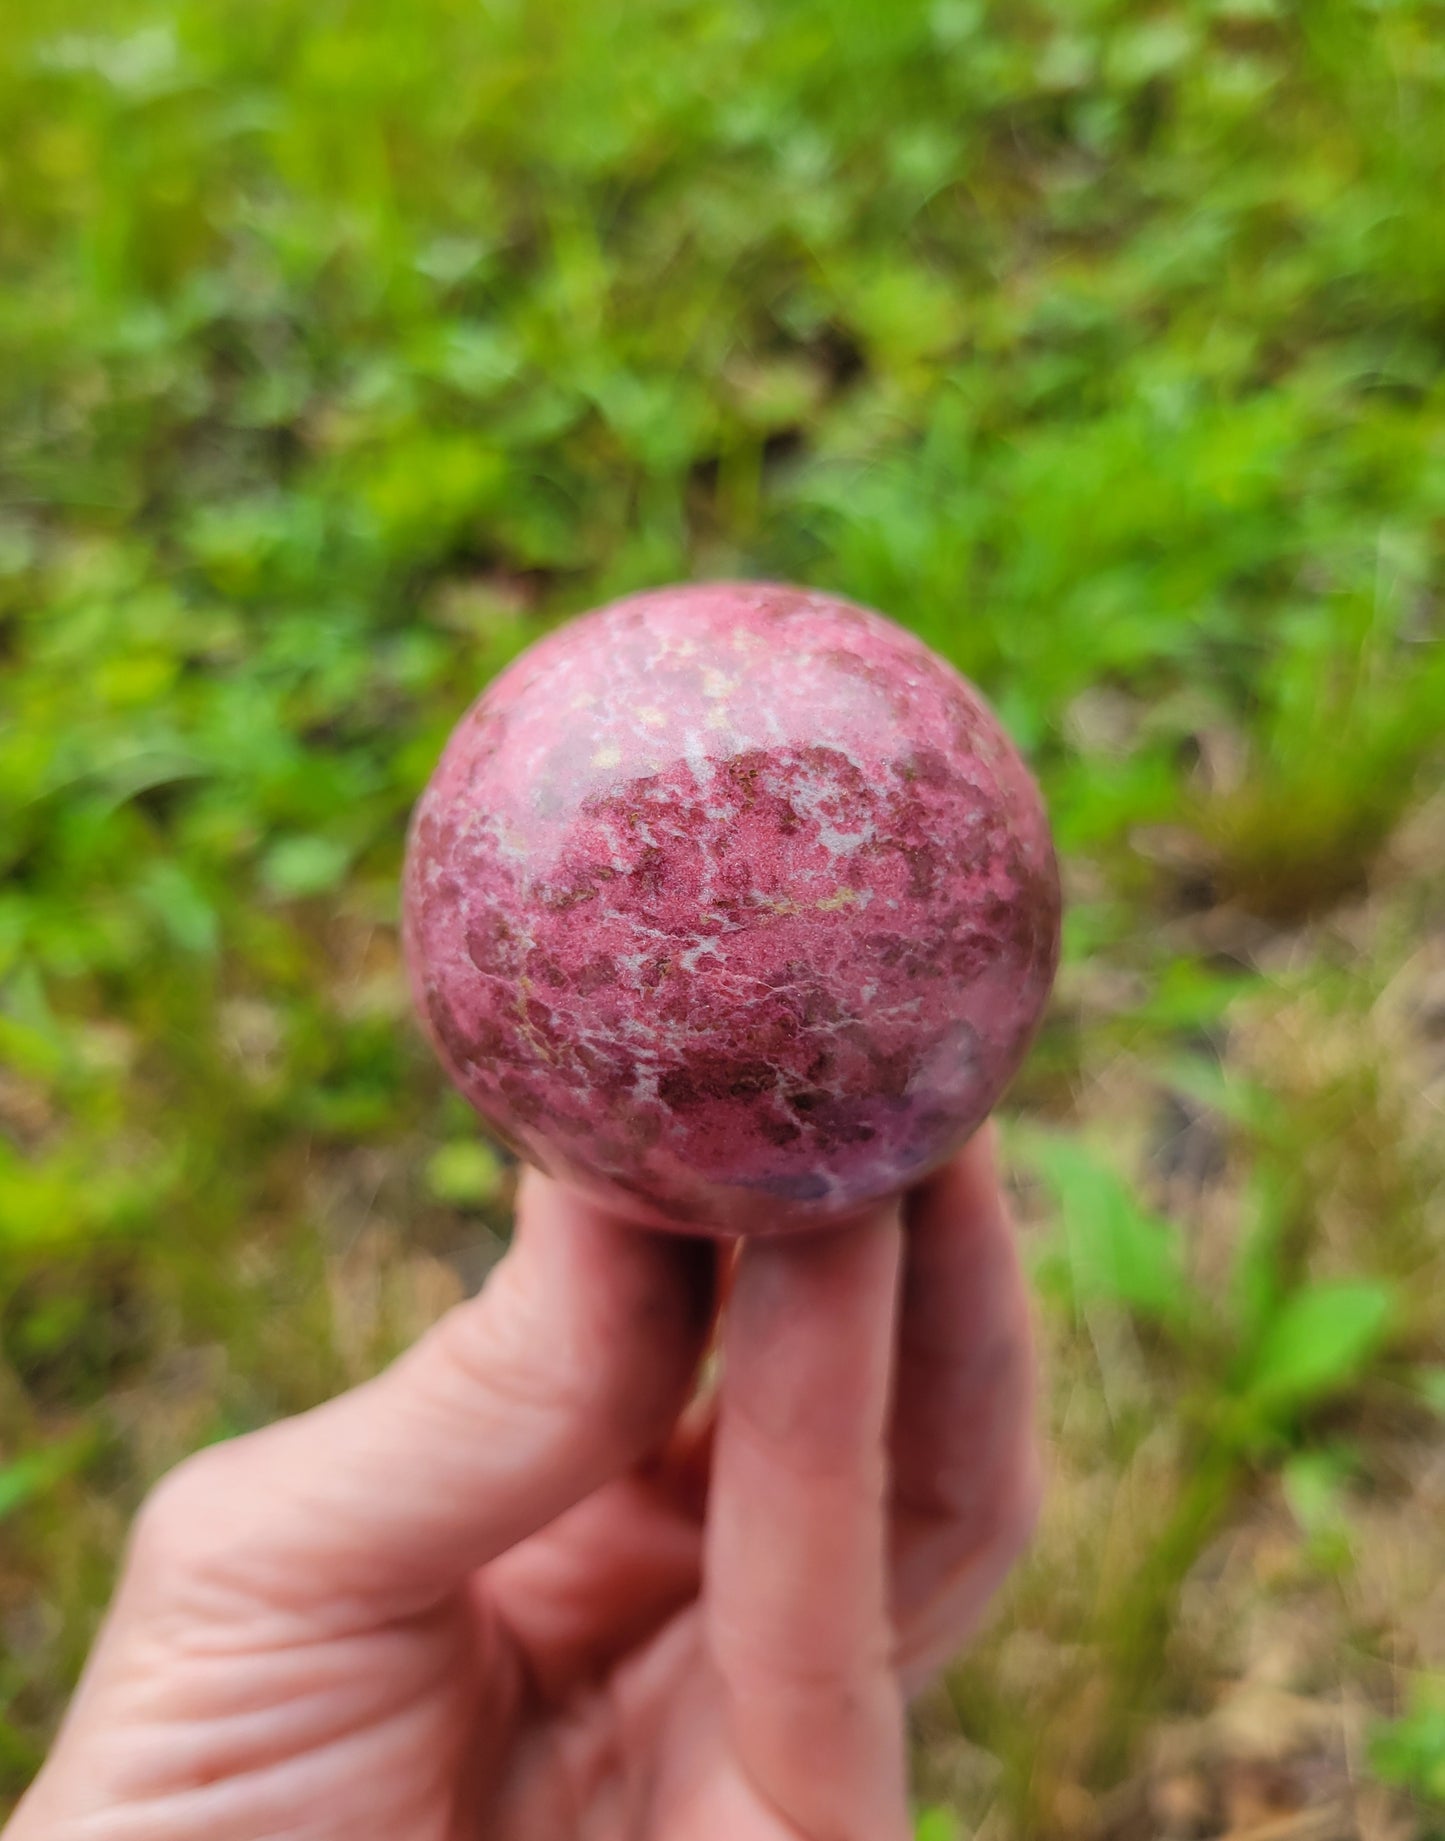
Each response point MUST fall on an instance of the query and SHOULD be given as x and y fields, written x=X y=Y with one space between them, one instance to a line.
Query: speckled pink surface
x=732 y=905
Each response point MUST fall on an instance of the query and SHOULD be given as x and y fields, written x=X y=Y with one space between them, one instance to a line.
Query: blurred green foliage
x=344 y=346
x=1410 y=1751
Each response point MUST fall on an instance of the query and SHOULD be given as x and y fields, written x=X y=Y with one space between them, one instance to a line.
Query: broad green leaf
x=936 y=1824
x=1188 y=995
x=1410 y=1751
x=1320 y=1340
x=1117 y=1252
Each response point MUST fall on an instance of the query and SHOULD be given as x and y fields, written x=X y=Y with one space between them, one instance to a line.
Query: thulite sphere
x=732 y=906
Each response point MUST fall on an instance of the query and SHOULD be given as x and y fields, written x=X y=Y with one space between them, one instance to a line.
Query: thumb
x=569 y=1367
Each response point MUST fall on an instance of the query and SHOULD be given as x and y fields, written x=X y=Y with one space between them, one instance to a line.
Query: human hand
x=518 y=1588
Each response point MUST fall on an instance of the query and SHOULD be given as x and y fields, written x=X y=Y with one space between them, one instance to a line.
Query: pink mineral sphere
x=732 y=906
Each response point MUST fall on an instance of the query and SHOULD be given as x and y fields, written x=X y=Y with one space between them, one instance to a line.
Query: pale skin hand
x=516 y=1589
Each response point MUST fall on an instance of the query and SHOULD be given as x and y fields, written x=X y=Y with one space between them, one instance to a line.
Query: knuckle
x=597 y=1365
x=508 y=1353
x=491 y=1352
x=178 y=1521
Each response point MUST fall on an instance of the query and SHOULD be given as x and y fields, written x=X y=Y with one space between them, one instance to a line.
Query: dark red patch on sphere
x=733 y=906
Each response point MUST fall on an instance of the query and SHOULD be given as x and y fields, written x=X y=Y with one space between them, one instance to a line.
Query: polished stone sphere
x=732 y=906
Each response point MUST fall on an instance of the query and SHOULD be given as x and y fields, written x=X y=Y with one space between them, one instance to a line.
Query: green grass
x=345 y=346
